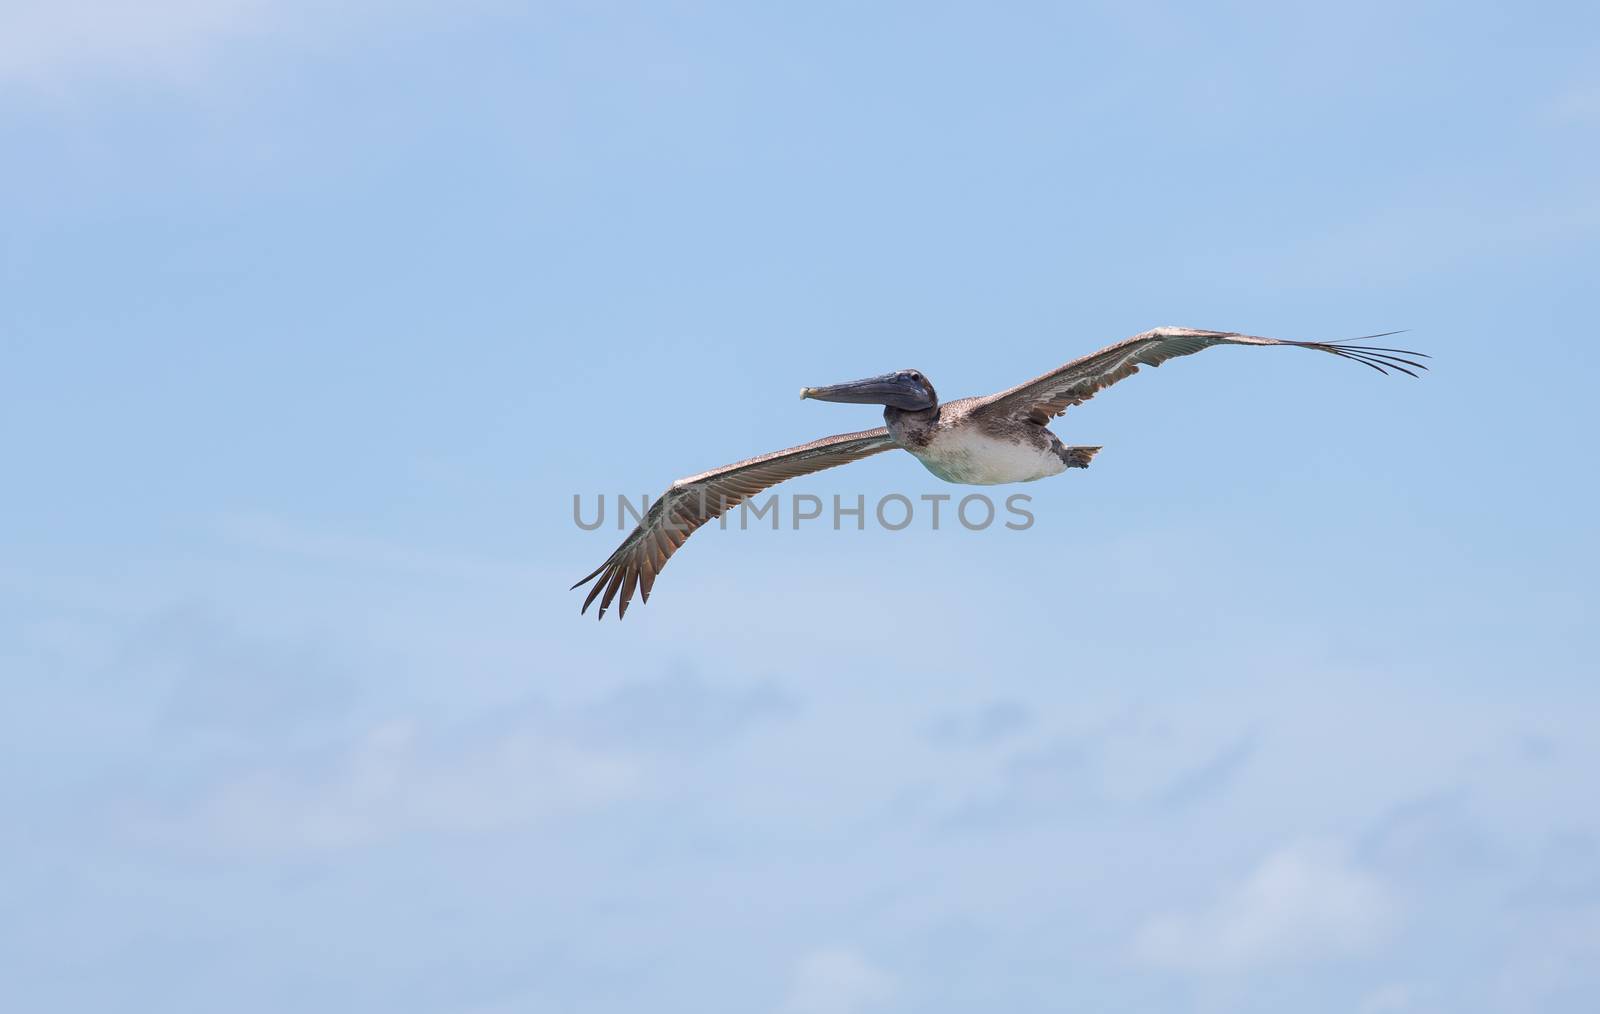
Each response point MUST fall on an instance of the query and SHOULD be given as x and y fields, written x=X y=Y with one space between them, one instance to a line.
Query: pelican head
x=907 y=390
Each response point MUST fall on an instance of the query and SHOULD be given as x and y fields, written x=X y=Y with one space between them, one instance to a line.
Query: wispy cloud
x=837 y=981
x=1425 y=237
x=1577 y=106
x=1393 y=998
x=684 y=711
x=1430 y=837
x=1211 y=775
x=396 y=779
x=360 y=551
x=1039 y=784
x=48 y=43
x=221 y=681
x=523 y=764
x=984 y=726
x=1302 y=902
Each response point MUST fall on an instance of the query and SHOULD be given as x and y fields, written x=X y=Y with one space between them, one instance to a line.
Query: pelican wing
x=691 y=502
x=1043 y=398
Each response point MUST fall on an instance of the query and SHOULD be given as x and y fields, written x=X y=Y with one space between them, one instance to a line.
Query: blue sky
x=316 y=316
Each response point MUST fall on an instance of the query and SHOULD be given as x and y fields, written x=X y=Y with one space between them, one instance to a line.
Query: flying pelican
x=974 y=441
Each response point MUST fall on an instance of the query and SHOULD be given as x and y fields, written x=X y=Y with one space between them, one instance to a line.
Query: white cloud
x=392 y=782
x=45 y=41
x=837 y=981
x=1301 y=903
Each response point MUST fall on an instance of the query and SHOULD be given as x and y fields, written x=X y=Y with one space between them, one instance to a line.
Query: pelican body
x=961 y=444
x=993 y=440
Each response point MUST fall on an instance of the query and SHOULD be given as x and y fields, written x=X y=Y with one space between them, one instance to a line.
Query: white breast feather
x=974 y=458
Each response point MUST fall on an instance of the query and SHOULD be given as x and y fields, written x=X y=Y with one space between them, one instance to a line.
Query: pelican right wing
x=1042 y=398
x=691 y=502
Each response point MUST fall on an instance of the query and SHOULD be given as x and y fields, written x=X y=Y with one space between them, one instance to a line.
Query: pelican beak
x=901 y=390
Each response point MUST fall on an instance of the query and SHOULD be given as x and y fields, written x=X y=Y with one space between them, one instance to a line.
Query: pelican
x=985 y=441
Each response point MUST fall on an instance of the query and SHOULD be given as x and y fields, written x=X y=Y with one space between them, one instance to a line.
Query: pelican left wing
x=1043 y=398
x=691 y=502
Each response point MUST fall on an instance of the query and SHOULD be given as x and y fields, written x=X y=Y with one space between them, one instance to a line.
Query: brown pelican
x=976 y=441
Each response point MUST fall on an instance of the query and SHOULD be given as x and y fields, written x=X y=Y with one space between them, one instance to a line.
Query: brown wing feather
x=692 y=501
x=1042 y=398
